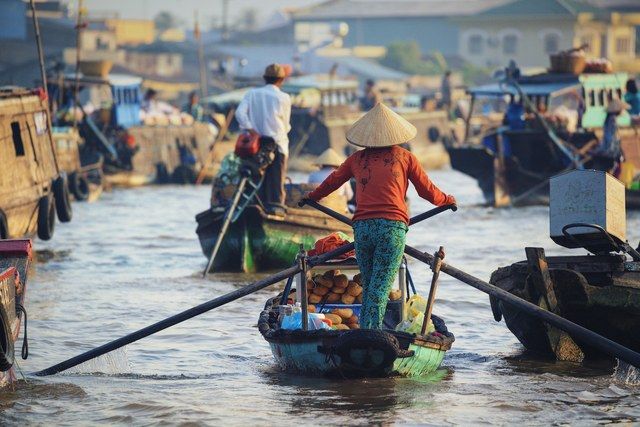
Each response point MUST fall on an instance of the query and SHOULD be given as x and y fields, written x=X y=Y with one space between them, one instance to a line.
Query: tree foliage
x=165 y=20
x=407 y=57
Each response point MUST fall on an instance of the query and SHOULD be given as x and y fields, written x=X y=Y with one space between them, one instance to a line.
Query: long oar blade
x=576 y=331
x=192 y=312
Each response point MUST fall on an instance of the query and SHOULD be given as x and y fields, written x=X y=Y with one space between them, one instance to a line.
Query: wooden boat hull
x=601 y=293
x=15 y=256
x=304 y=358
x=260 y=242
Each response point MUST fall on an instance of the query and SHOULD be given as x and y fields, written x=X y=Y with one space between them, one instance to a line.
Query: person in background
x=632 y=97
x=445 y=91
x=153 y=106
x=382 y=172
x=328 y=162
x=608 y=154
x=371 y=96
x=193 y=107
x=266 y=111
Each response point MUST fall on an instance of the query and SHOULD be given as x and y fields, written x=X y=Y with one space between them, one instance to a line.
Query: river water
x=133 y=258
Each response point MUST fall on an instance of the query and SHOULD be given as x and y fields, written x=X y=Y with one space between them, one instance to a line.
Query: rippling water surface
x=133 y=258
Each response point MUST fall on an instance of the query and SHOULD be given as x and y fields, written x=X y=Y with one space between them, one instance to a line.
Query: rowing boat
x=356 y=353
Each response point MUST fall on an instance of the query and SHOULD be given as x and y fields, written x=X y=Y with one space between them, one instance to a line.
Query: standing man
x=445 y=91
x=267 y=111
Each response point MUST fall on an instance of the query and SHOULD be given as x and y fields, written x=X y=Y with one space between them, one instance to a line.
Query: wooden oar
x=437 y=263
x=225 y=224
x=192 y=312
x=583 y=334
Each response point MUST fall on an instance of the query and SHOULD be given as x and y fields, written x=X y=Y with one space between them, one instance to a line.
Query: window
x=510 y=44
x=623 y=45
x=18 y=145
x=551 y=43
x=637 y=40
x=475 y=44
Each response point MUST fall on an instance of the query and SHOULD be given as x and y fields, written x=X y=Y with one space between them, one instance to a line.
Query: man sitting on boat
x=328 y=162
x=266 y=111
x=382 y=172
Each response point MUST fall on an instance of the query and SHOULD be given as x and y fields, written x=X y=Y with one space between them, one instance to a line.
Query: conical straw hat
x=381 y=127
x=330 y=158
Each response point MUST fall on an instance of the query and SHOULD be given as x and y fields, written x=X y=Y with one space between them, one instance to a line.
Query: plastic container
x=328 y=307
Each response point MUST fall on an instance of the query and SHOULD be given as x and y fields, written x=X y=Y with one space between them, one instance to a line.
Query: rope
x=25 y=341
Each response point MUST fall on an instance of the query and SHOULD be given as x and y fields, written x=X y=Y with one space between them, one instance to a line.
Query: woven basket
x=567 y=64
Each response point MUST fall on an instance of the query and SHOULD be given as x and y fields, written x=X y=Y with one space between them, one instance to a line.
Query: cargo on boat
x=334 y=345
x=525 y=129
x=33 y=188
x=138 y=148
x=599 y=291
x=82 y=166
x=15 y=256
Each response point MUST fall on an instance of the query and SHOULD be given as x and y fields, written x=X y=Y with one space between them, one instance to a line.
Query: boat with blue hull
x=355 y=353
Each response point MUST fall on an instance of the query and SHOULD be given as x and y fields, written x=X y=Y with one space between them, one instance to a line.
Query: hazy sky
x=185 y=8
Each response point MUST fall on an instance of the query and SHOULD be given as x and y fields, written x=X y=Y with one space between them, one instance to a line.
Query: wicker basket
x=96 y=68
x=566 y=63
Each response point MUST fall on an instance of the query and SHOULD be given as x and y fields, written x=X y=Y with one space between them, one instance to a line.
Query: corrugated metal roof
x=342 y=9
x=542 y=8
x=369 y=69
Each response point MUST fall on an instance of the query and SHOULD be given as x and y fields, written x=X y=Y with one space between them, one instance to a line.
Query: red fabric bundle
x=329 y=243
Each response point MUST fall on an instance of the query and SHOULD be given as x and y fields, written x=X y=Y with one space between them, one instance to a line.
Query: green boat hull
x=259 y=242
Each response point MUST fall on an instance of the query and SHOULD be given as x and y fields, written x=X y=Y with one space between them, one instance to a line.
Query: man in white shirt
x=267 y=111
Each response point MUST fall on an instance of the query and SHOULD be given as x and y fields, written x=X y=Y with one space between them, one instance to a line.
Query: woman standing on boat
x=382 y=172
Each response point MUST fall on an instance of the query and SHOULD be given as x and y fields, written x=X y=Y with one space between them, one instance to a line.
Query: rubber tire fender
x=79 y=186
x=162 y=173
x=7 y=354
x=62 y=198
x=46 y=217
x=367 y=339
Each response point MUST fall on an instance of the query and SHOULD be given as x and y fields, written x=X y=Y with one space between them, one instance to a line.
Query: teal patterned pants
x=379 y=248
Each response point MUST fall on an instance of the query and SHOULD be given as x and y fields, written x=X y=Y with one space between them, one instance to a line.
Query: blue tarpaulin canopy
x=531 y=89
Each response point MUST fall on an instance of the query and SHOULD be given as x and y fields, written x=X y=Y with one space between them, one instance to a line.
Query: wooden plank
x=540 y=274
x=562 y=344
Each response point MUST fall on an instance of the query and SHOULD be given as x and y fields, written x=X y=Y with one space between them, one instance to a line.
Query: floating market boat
x=600 y=291
x=33 y=188
x=159 y=149
x=350 y=352
x=15 y=256
x=257 y=241
x=512 y=163
x=83 y=168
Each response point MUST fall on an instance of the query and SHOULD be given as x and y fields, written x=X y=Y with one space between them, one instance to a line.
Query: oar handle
x=346 y=220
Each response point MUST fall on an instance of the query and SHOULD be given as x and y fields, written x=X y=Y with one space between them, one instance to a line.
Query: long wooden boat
x=356 y=353
x=15 y=256
x=516 y=169
x=136 y=152
x=32 y=186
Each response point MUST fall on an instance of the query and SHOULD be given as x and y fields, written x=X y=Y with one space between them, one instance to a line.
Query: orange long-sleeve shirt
x=382 y=177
